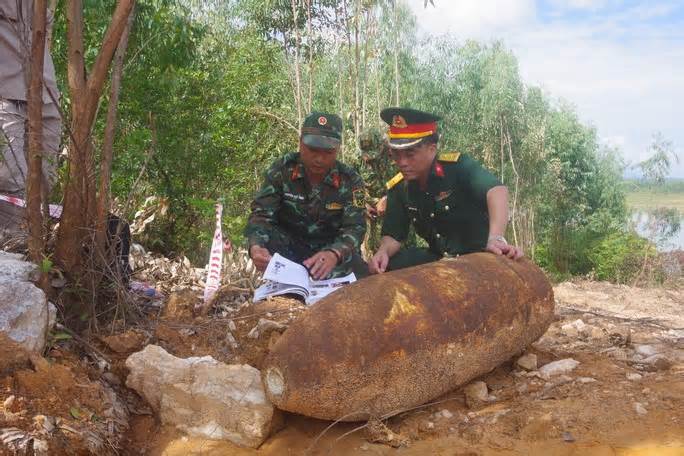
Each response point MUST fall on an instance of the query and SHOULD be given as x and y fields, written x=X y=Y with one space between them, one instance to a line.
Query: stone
x=596 y=333
x=528 y=362
x=657 y=363
x=633 y=376
x=264 y=327
x=575 y=328
x=231 y=326
x=447 y=414
x=203 y=397
x=562 y=366
x=646 y=350
x=13 y=268
x=476 y=394
x=640 y=409
x=125 y=342
x=25 y=314
x=586 y=380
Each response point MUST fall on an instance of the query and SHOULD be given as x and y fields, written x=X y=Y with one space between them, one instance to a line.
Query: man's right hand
x=378 y=264
x=260 y=256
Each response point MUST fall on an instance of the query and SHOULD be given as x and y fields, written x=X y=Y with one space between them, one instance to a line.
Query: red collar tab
x=336 y=180
x=295 y=173
x=439 y=169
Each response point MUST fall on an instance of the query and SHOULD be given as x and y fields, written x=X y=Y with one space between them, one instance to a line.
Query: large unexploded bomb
x=400 y=339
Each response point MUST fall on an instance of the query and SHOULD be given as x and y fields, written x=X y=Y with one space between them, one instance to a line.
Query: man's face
x=415 y=162
x=317 y=162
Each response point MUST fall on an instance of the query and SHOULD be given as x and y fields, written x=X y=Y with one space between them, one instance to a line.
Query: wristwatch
x=498 y=237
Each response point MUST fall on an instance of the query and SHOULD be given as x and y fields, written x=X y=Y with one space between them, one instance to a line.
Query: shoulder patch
x=394 y=181
x=450 y=157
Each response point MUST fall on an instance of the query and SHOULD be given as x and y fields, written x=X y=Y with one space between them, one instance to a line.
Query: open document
x=284 y=276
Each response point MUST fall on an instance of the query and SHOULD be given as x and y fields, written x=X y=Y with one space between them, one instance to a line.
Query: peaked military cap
x=322 y=130
x=408 y=127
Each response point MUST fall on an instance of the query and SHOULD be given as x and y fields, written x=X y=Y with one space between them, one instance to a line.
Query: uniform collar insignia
x=333 y=178
x=297 y=172
x=439 y=169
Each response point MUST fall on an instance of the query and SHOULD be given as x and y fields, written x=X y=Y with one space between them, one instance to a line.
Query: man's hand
x=321 y=264
x=378 y=264
x=371 y=212
x=260 y=256
x=500 y=247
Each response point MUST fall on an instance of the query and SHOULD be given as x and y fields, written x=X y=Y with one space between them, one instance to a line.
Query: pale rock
x=633 y=376
x=646 y=350
x=25 y=314
x=527 y=362
x=264 y=327
x=231 y=325
x=596 y=333
x=562 y=366
x=575 y=328
x=586 y=380
x=640 y=409
x=447 y=414
x=203 y=397
x=476 y=393
x=13 y=268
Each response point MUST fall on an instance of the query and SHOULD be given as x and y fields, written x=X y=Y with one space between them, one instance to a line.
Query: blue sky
x=621 y=63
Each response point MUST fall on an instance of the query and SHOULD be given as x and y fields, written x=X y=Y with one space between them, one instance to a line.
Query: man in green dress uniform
x=310 y=208
x=451 y=200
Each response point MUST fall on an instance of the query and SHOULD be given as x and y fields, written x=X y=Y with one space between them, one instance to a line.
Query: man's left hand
x=321 y=264
x=499 y=247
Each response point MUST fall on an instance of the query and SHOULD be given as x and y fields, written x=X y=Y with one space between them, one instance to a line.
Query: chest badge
x=442 y=195
x=333 y=206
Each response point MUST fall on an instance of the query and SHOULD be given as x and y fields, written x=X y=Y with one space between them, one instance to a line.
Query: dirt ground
x=615 y=402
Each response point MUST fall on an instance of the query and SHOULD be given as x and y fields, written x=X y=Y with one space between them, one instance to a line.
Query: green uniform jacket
x=451 y=215
x=328 y=216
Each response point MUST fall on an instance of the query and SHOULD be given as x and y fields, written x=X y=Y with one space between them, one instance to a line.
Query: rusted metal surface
x=400 y=339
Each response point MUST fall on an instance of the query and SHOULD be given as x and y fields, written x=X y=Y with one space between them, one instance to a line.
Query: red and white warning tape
x=215 y=258
x=55 y=209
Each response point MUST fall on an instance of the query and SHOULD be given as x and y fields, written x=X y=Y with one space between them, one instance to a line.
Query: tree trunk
x=79 y=198
x=108 y=144
x=36 y=240
x=298 y=81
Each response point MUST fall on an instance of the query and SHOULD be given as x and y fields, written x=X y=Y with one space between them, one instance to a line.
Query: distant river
x=644 y=226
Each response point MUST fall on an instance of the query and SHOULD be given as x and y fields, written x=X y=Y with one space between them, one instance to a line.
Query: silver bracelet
x=498 y=237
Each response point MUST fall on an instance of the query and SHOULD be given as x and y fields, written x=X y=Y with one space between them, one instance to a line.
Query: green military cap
x=408 y=127
x=370 y=140
x=322 y=130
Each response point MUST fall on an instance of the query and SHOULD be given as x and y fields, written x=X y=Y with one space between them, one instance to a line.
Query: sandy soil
x=613 y=403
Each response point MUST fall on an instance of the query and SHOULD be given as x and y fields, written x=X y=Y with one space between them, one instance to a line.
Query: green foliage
x=620 y=256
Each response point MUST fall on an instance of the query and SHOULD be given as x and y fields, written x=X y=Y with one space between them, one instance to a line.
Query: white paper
x=285 y=276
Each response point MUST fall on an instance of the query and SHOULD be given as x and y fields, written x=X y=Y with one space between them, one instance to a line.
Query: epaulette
x=394 y=181
x=449 y=157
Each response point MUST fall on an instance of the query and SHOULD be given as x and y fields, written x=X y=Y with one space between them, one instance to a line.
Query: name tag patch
x=293 y=197
x=333 y=206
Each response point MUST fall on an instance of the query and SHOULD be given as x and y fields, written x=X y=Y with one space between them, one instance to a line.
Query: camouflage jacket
x=327 y=216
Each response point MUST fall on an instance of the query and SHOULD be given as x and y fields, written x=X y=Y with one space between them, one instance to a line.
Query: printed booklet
x=284 y=276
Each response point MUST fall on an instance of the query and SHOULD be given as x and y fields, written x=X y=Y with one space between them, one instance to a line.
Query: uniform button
x=432 y=215
x=446 y=254
x=414 y=219
x=437 y=236
x=446 y=208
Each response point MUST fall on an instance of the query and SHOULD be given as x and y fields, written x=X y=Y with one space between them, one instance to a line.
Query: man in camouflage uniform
x=310 y=208
x=376 y=168
x=452 y=201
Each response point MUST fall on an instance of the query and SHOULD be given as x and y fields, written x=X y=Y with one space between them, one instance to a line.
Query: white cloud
x=473 y=18
x=624 y=74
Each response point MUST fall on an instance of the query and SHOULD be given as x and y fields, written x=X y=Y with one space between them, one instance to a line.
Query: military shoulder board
x=450 y=157
x=394 y=181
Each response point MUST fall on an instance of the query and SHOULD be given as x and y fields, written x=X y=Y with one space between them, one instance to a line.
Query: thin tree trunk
x=36 y=241
x=79 y=201
x=357 y=65
x=311 y=61
x=517 y=182
x=298 y=81
x=108 y=143
x=396 y=55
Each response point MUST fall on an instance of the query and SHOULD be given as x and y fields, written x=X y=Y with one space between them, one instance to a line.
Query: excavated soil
x=600 y=408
